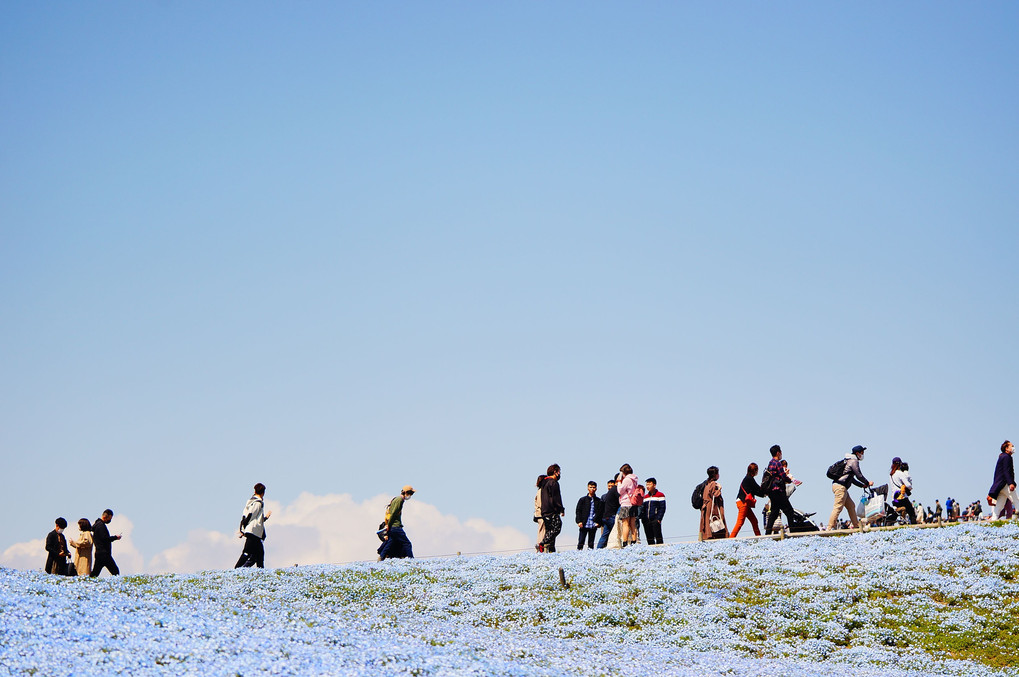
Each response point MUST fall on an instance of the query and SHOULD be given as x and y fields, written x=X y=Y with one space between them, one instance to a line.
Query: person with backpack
x=590 y=513
x=610 y=499
x=1003 y=488
x=396 y=544
x=746 y=499
x=774 y=482
x=252 y=530
x=552 y=510
x=846 y=477
x=712 y=508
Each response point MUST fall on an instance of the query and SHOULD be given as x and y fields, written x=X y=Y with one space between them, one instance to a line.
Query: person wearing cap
x=902 y=486
x=1003 y=488
x=396 y=543
x=840 y=488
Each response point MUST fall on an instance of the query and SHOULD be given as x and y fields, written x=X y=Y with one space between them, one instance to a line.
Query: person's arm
x=580 y=512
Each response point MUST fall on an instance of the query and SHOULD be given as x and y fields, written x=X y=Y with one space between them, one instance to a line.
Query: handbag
x=715 y=523
x=875 y=504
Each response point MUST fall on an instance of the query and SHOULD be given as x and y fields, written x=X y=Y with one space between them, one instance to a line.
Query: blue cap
x=858 y=449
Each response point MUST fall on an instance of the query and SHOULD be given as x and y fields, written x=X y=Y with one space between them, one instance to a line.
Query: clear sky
x=341 y=247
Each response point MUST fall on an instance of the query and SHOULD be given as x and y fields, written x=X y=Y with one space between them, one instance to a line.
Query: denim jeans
x=606 y=529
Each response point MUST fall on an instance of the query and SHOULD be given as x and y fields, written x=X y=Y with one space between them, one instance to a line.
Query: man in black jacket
x=104 y=545
x=56 y=547
x=552 y=509
x=590 y=514
x=610 y=506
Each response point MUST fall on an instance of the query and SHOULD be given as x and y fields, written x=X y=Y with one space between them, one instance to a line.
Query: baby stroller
x=801 y=522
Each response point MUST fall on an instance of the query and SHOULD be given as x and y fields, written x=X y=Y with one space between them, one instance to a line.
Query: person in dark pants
x=104 y=545
x=56 y=549
x=776 y=490
x=610 y=505
x=552 y=509
x=252 y=530
x=653 y=510
x=396 y=543
x=590 y=515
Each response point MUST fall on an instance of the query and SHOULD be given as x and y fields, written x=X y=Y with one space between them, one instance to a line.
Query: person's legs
x=606 y=529
x=623 y=518
x=851 y=507
x=839 y=492
x=656 y=530
x=776 y=498
x=553 y=525
x=752 y=518
x=591 y=536
x=741 y=516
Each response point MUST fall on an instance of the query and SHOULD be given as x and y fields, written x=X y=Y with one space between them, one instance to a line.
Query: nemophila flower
x=910 y=602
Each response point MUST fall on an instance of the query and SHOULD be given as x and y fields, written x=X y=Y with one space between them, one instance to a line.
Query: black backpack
x=836 y=470
x=697 y=500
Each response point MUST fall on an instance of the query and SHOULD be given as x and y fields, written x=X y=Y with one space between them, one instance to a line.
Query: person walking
x=397 y=545
x=552 y=510
x=540 y=545
x=83 y=548
x=746 y=500
x=654 y=512
x=610 y=501
x=590 y=514
x=56 y=548
x=713 y=510
x=626 y=485
x=104 y=545
x=840 y=488
x=774 y=484
x=252 y=530
x=1003 y=487
x=901 y=485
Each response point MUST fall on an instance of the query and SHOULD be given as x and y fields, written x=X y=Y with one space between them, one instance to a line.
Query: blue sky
x=339 y=248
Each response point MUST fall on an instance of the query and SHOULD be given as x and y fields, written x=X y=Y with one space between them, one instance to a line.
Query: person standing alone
x=104 y=545
x=252 y=530
x=397 y=545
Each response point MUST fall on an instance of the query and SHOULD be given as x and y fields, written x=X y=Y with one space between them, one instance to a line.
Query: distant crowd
x=625 y=509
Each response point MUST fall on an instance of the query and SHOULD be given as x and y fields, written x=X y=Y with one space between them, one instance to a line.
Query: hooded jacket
x=253 y=520
x=551 y=498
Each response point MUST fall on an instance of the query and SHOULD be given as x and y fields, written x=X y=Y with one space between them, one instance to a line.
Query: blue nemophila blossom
x=909 y=603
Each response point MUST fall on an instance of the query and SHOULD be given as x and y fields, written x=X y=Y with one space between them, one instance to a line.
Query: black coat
x=1004 y=474
x=551 y=498
x=56 y=546
x=584 y=509
x=611 y=502
x=102 y=539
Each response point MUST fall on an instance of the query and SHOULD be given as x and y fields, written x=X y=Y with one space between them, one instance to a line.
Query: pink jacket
x=626 y=487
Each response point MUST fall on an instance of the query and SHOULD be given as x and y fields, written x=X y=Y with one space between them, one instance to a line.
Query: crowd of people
x=620 y=513
x=626 y=506
x=91 y=538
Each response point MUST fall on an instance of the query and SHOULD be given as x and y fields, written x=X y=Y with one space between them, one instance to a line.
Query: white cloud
x=32 y=554
x=311 y=530
x=335 y=528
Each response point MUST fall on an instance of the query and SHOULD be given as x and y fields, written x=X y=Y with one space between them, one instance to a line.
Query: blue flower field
x=907 y=602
